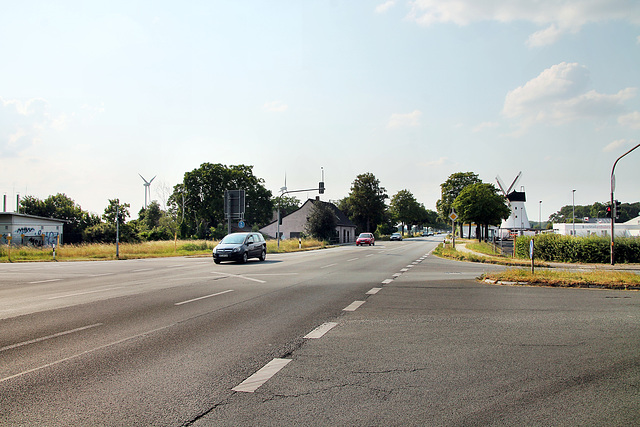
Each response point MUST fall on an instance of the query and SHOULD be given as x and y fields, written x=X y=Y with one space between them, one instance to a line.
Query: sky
x=95 y=94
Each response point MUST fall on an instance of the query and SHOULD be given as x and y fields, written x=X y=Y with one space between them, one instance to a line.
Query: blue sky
x=94 y=93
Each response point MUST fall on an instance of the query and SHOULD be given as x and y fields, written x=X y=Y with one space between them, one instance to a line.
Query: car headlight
x=236 y=250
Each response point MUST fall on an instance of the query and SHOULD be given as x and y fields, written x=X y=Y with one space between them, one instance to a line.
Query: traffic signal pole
x=613 y=204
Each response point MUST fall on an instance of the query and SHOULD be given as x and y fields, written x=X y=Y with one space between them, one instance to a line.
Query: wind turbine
x=147 y=188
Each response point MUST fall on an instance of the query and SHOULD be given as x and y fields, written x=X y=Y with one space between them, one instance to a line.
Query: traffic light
x=617 y=209
x=321 y=187
x=608 y=211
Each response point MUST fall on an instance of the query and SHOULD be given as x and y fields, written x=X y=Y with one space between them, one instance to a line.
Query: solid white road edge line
x=44 y=281
x=330 y=265
x=85 y=293
x=353 y=306
x=252 y=383
x=204 y=297
x=320 y=330
x=59 y=334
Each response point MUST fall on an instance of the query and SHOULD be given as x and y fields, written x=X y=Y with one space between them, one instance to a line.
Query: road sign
x=241 y=224
x=453 y=216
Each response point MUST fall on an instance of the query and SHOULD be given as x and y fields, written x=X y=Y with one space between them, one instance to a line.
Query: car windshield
x=365 y=235
x=233 y=239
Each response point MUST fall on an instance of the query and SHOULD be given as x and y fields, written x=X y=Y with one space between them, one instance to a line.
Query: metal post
x=540 y=215
x=613 y=206
x=573 y=201
x=278 y=226
x=118 y=230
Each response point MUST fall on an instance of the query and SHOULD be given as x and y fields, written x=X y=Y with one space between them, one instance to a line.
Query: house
x=22 y=229
x=294 y=225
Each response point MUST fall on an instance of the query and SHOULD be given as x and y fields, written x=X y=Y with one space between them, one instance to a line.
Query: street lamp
x=540 y=215
x=573 y=201
x=613 y=205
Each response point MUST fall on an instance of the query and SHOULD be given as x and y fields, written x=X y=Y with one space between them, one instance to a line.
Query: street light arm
x=613 y=205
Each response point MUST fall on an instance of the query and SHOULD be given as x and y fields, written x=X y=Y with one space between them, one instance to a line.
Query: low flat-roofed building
x=23 y=229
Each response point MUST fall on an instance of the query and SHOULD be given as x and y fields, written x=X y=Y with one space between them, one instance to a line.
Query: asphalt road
x=178 y=341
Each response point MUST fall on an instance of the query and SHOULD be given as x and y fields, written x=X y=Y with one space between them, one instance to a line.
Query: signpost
x=531 y=254
x=234 y=207
x=453 y=215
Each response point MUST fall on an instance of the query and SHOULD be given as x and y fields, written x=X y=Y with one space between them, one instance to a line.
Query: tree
x=287 y=204
x=122 y=210
x=404 y=208
x=481 y=203
x=365 y=203
x=450 y=189
x=62 y=207
x=322 y=221
x=199 y=199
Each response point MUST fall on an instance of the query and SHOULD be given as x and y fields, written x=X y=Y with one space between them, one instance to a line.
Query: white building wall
x=27 y=230
x=602 y=230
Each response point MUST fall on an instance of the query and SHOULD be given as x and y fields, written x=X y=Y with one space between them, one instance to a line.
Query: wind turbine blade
x=145 y=181
x=152 y=179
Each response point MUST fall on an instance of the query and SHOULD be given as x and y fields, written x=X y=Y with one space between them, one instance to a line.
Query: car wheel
x=263 y=255
x=245 y=257
x=217 y=261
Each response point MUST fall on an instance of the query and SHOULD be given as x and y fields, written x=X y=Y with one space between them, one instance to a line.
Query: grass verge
x=104 y=251
x=449 y=252
x=602 y=279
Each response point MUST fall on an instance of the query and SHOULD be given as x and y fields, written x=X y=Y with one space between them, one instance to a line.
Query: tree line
x=195 y=209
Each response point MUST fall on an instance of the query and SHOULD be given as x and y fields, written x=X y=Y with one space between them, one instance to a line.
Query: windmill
x=518 y=219
x=147 y=189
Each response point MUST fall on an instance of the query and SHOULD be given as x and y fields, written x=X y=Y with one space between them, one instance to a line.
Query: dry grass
x=103 y=251
x=563 y=278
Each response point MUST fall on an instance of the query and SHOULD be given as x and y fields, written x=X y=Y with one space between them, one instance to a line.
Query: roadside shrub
x=592 y=249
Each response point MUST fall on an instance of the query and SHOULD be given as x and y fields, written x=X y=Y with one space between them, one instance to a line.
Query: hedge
x=592 y=249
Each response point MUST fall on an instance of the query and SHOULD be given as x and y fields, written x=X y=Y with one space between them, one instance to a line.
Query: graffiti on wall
x=41 y=238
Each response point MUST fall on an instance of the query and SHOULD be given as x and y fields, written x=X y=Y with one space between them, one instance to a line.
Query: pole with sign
x=531 y=254
x=453 y=215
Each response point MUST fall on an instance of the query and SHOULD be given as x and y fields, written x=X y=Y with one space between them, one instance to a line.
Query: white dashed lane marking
x=353 y=306
x=252 y=383
x=321 y=330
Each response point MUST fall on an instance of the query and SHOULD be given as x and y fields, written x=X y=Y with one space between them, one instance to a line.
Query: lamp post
x=573 y=203
x=613 y=205
x=540 y=215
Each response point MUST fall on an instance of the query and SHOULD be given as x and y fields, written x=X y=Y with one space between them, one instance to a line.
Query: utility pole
x=613 y=205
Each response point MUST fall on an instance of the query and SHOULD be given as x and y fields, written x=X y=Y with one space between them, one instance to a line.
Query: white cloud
x=631 y=120
x=617 y=144
x=21 y=124
x=440 y=162
x=485 y=125
x=544 y=37
x=275 y=107
x=557 y=17
x=382 y=8
x=398 y=120
x=559 y=94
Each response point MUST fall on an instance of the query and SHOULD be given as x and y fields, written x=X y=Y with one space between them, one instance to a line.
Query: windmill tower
x=518 y=219
x=147 y=189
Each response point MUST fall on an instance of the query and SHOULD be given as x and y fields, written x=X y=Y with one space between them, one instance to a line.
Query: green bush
x=592 y=249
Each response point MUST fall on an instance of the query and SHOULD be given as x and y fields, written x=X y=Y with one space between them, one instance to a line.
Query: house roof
x=343 y=221
x=15 y=214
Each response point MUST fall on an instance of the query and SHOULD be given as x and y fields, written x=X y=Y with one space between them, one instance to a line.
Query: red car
x=365 y=239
